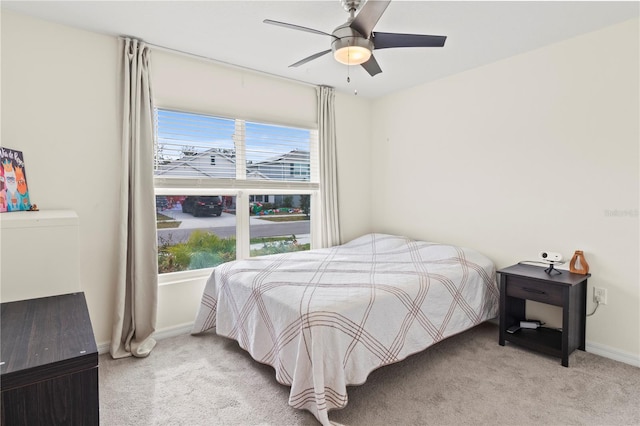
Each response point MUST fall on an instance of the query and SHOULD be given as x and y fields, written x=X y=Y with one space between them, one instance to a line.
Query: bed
x=324 y=319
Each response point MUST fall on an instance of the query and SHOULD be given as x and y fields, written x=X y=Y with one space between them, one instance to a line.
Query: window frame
x=240 y=187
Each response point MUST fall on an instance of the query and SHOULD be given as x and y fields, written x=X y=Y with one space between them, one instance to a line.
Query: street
x=224 y=226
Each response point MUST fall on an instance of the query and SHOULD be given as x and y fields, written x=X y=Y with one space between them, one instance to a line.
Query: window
x=230 y=188
x=299 y=169
x=258 y=198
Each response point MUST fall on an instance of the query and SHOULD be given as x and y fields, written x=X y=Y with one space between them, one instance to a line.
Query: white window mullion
x=315 y=206
x=243 y=245
x=239 y=139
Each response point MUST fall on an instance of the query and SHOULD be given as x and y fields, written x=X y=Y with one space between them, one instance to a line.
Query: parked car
x=209 y=205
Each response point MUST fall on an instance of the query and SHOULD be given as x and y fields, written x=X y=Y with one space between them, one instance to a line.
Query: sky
x=177 y=130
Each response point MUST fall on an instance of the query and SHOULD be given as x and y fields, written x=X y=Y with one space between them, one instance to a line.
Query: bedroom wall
x=536 y=152
x=355 y=192
x=60 y=106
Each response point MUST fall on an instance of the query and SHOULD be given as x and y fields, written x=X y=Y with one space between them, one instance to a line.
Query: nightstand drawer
x=533 y=290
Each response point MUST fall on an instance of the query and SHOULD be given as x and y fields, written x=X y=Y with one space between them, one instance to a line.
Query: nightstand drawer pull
x=533 y=290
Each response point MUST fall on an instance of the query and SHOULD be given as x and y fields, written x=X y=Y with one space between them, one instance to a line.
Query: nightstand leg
x=582 y=328
x=567 y=324
x=503 y=310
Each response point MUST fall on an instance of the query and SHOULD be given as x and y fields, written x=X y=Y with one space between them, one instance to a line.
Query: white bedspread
x=325 y=319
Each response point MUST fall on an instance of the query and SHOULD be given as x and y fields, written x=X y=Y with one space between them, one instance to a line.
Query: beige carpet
x=467 y=379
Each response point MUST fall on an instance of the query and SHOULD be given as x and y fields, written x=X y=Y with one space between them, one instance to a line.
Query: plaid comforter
x=326 y=318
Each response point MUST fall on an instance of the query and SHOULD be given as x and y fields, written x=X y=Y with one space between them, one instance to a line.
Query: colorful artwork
x=14 y=193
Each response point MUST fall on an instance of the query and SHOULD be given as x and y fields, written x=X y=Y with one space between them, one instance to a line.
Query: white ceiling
x=233 y=32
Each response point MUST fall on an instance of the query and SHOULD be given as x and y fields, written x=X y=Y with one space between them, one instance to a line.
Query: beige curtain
x=330 y=226
x=137 y=280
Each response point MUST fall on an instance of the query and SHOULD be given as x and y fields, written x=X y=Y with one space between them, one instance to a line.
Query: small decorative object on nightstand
x=578 y=264
x=519 y=283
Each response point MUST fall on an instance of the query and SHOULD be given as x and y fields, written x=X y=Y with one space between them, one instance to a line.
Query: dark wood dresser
x=49 y=362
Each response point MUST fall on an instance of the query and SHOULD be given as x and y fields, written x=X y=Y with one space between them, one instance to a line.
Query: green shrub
x=202 y=250
x=282 y=246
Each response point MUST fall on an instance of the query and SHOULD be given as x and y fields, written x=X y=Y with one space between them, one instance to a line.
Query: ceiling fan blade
x=310 y=58
x=297 y=27
x=369 y=16
x=372 y=66
x=387 y=40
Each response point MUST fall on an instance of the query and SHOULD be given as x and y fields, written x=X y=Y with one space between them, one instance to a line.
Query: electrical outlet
x=600 y=295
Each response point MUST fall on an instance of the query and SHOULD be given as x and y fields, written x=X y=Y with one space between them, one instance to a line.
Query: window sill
x=184 y=277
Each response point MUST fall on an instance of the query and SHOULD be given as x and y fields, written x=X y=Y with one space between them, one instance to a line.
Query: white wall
x=353 y=133
x=61 y=107
x=530 y=153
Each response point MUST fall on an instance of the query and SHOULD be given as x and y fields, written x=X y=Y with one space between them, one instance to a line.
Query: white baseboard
x=612 y=353
x=176 y=330
x=165 y=333
x=103 y=348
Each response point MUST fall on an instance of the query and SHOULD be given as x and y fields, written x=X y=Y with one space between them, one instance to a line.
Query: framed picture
x=14 y=192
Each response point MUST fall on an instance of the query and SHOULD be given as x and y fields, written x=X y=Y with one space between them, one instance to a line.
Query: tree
x=189 y=151
x=305 y=201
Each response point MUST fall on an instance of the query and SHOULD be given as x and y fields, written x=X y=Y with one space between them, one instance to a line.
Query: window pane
x=195 y=232
x=203 y=146
x=277 y=152
x=279 y=223
x=195 y=145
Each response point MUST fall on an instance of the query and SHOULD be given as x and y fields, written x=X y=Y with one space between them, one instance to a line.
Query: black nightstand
x=519 y=283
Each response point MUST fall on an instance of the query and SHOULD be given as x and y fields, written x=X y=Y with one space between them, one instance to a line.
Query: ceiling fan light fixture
x=350 y=48
x=352 y=55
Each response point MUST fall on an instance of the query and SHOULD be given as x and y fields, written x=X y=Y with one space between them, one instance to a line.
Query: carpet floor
x=467 y=379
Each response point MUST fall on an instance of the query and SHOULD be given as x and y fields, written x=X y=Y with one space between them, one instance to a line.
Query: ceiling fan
x=354 y=41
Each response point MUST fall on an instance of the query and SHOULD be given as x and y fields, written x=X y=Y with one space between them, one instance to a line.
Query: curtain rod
x=227 y=64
